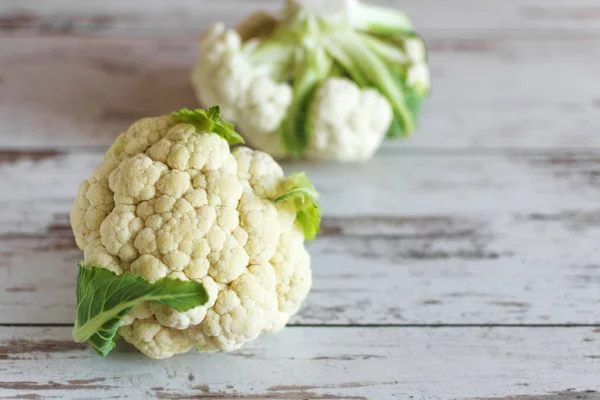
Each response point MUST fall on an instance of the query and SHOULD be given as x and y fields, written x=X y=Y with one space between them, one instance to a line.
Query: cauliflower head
x=171 y=200
x=326 y=86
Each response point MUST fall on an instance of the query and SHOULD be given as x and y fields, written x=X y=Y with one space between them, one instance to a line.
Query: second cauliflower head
x=172 y=200
x=318 y=85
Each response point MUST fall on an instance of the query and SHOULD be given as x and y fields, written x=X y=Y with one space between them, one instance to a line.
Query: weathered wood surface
x=489 y=215
x=333 y=363
x=396 y=183
x=58 y=91
x=426 y=239
x=435 y=18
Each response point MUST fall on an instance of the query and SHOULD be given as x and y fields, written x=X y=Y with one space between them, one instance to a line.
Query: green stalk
x=384 y=49
x=314 y=67
x=347 y=64
x=377 y=20
x=273 y=58
x=294 y=129
x=380 y=75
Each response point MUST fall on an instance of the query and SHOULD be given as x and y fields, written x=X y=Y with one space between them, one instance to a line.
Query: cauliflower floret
x=171 y=202
x=154 y=339
x=242 y=311
x=223 y=75
x=293 y=278
x=418 y=73
x=348 y=124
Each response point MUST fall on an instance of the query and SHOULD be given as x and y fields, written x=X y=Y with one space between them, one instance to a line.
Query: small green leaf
x=412 y=100
x=300 y=190
x=395 y=130
x=214 y=113
x=208 y=121
x=104 y=298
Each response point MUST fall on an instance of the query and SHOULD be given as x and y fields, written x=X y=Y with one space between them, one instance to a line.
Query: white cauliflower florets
x=169 y=202
x=223 y=75
x=327 y=82
x=418 y=73
x=347 y=123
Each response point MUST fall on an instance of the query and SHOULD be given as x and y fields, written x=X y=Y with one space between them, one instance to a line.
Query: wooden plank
x=428 y=239
x=316 y=363
x=60 y=92
x=395 y=183
x=435 y=18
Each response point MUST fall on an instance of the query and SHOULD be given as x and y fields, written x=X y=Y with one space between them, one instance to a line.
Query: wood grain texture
x=71 y=92
x=396 y=183
x=489 y=215
x=309 y=363
x=435 y=18
x=452 y=239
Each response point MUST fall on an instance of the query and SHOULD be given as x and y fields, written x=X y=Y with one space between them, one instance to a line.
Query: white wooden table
x=461 y=263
